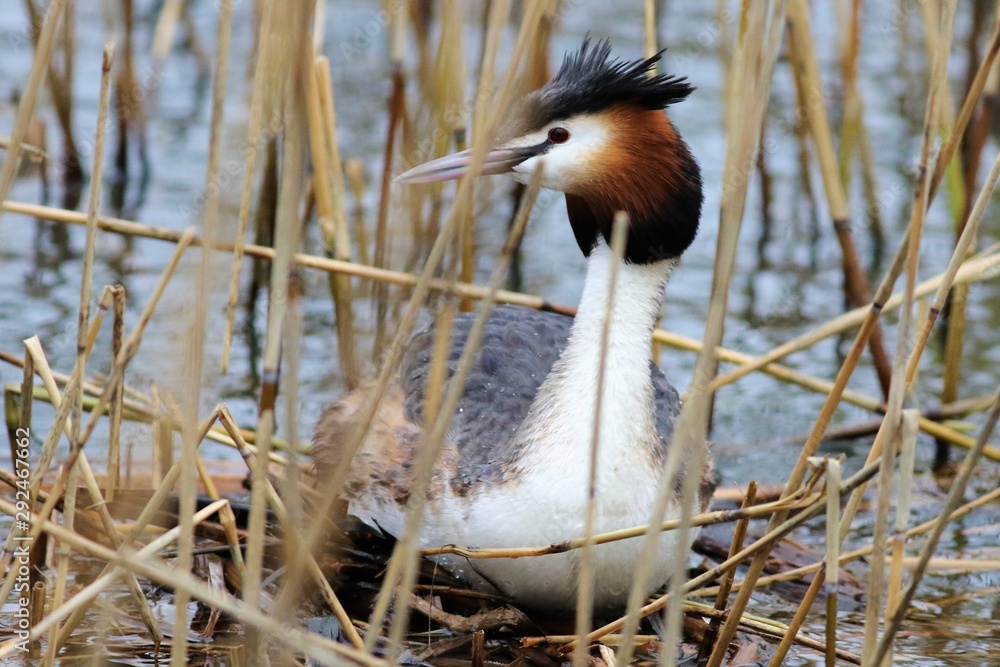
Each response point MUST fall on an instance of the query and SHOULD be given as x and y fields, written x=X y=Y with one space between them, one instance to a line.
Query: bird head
x=601 y=130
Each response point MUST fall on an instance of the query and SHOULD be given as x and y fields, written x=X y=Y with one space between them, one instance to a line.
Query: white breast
x=545 y=499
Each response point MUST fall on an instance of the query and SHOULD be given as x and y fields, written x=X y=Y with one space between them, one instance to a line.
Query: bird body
x=515 y=467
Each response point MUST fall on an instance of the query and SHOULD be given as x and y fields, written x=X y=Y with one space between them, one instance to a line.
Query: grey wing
x=668 y=406
x=519 y=347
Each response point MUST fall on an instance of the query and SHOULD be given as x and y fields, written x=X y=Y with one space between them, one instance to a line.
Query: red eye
x=558 y=135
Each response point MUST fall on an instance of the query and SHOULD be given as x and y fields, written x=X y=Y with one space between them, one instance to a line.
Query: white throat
x=562 y=416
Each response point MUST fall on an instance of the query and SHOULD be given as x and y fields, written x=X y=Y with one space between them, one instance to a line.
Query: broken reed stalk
x=807 y=77
x=117 y=402
x=254 y=135
x=832 y=588
x=196 y=335
x=586 y=576
x=29 y=95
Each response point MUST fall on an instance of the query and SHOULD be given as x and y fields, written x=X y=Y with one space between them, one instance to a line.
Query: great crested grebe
x=516 y=462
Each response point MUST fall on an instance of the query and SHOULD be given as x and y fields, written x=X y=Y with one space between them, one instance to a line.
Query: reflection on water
x=788 y=274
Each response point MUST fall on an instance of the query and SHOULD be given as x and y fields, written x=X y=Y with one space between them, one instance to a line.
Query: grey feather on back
x=519 y=347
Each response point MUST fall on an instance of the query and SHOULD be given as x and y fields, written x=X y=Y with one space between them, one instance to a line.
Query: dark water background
x=788 y=276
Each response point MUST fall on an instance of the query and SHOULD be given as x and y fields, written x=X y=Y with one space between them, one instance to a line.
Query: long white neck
x=562 y=416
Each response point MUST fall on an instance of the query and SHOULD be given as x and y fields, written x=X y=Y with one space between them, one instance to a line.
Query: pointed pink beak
x=454 y=166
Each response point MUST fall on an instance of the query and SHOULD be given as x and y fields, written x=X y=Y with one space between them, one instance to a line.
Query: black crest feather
x=590 y=81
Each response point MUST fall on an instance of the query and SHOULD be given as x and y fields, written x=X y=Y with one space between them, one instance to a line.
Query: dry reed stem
x=832 y=588
x=963 y=246
x=287 y=81
x=322 y=650
x=397 y=110
x=254 y=127
x=876 y=577
x=853 y=117
x=954 y=499
x=755 y=58
x=24 y=412
x=35 y=480
x=790 y=503
x=83 y=321
x=908 y=436
x=354 y=171
x=34 y=152
x=649 y=29
x=29 y=95
x=726 y=585
x=586 y=575
x=335 y=232
x=194 y=355
x=858 y=316
x=891 y=428
x=808 y=78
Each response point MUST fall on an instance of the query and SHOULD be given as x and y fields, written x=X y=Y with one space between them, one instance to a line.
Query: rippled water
x=788 y=276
